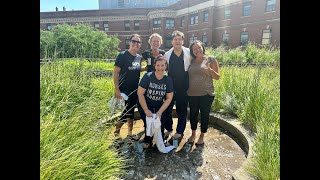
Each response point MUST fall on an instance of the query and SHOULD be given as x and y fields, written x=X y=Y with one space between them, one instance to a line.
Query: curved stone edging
x=234 y=127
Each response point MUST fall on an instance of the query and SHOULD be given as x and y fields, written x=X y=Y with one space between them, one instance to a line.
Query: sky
x=50 y=5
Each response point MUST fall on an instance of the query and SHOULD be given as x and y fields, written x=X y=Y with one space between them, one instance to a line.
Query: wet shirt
x=177 y=73
x=155 y=89
x=130 y=71
x=200 y=83
x=150 y=59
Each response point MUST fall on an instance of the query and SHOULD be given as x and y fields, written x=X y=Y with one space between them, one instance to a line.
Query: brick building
x=232 y=22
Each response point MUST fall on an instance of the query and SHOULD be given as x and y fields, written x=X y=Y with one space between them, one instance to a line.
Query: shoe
x=178 y=136
x=167 y=134
x=199 y=144
x=133 y=137
x=189 y=141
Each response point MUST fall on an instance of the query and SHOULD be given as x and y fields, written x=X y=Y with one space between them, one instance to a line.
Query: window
x=182 y=21
x=105 y=26
x=244 y=37
x=194 y=19
x=96 y=25
x=136 y=25
x=205 y=16
x=157 y=23
x=122 y=2
x=139 y=1
x=127 y=43
x=49 y=26
x=192 y=39
x=270 y=5
x=169 y=23
x=227 y=12
x=205 y=40
x=266 y=36
x=167 y=42
x=127 y=25
x=246 y=8
x=225 y=39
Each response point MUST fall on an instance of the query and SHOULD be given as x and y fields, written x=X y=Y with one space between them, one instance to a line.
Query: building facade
x=116 y=4
x=215 y=22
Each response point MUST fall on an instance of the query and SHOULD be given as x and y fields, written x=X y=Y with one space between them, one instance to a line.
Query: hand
x=207 y=70
x=148 y=113
x=117 y=94
x=158 y=114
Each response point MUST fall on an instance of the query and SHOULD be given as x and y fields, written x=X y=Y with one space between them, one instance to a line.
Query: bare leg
x=200 y=140
x=118 y=127
x=192 y=137
x=130 y=126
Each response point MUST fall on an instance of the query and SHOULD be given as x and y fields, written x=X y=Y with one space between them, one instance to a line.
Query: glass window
x=96 y=25
x=169 y=23
x=157 y=23
x=49 y=26
x=225 y=39
x=194 y=19
x=205 y=16
x=136 y=25
x=139 y=1
x=270 y=5
x=127 y=43
x=105 y=26
x=266 y=36
x=127 y=25
x=244 y=38
x=227 y=12
x=182 y=21
x=246 y=8
x=167 y=42
x=192 y=39
x=205 y=40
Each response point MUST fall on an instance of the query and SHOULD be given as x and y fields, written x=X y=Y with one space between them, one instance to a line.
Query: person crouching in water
x=155 y=93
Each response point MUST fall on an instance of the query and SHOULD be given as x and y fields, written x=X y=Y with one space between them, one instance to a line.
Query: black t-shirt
x=147 y=54
x=176 y=71
x=155 y=89
x=130 y=71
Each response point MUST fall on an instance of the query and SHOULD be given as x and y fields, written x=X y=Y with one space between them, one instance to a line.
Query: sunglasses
x=135 y=42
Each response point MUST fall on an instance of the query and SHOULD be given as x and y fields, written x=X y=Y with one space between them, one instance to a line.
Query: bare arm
x=165 y=104
x=142 y=101
x=116 y=71
x=143 y=68
x=214 y=69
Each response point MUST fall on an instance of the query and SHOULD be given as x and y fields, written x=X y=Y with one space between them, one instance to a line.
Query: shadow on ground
x=217 y=159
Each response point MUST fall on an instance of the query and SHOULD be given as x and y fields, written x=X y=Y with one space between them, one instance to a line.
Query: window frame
x=246 y=8
x=169 y=22
x=244 y=33
x=273 y=6
x=225 y=39
x=268 y=38
x=206 y=16
x=126 y=28
x=158 y=24
x=227 y=9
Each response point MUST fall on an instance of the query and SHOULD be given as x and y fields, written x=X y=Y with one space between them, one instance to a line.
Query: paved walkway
x=217 y=159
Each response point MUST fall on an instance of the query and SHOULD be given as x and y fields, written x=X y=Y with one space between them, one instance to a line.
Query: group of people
x=180 y=76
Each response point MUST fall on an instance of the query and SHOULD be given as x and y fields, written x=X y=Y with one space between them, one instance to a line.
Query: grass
x=253 y=95
x=73 y=142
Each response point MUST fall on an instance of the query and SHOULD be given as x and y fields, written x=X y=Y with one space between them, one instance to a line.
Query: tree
x=77 y=41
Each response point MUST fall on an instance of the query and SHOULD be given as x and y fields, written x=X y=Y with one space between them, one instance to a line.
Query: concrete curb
x=234 y=127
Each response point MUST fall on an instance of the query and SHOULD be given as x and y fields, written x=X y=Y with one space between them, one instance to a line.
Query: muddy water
x=217 y=159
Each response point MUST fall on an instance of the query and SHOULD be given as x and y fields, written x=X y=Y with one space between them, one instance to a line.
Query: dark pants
x=130 y=105
x=202 y=103
x=181 y=101
x=148 y=139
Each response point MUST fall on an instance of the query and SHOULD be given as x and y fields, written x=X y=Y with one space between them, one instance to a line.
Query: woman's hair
x=160 y=57
x=155 y=35
x=177 y=33
x=133 y=35
x=196 y=42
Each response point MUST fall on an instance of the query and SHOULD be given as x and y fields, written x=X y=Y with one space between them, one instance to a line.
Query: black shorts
x=130 y=105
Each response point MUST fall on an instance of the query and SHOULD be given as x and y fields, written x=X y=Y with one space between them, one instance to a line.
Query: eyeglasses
x=135 y=42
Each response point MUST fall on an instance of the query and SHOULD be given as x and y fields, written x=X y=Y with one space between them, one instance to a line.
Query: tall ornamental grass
x=253 y=95
x=73 y=142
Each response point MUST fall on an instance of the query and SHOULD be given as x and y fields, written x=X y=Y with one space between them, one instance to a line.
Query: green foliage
x=252 y=53
x=81 y=40
x=74 y=144
x=253 y=95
